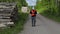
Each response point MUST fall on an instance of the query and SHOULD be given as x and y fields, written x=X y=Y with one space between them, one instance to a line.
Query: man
x=33 y=16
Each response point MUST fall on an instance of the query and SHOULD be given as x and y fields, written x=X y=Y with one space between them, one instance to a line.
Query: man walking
x=33 y=17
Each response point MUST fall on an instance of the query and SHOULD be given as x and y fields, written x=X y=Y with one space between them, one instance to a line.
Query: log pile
x=8 y=14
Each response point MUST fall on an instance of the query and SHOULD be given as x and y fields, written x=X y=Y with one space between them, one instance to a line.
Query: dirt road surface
x=43 y=26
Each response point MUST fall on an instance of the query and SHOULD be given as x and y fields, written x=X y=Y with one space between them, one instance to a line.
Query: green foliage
x=20 y=3
x=21 y=18
x=52 y=11
x=50 y=5
x=19 y=24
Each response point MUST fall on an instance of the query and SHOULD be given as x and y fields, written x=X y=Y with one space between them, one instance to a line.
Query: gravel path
x=43 y=26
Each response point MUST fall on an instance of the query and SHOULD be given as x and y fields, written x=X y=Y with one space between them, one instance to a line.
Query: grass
x=41 y=7
x=19 y=24
x=43 y=12
x=52 y=17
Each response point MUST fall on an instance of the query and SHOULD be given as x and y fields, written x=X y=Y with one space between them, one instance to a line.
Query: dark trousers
x=33 y=20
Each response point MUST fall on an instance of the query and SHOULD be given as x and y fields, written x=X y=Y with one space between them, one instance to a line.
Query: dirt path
x=43 y=26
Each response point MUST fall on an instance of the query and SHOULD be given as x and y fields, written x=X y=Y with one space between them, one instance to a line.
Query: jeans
x=33 y=20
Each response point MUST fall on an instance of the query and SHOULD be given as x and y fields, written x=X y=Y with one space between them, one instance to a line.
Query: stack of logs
x=8 y=14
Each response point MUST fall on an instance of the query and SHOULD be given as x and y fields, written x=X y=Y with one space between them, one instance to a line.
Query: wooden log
x=8 y=13
x=5 y=20
x=2 y=25
x=5 y=14
x=3 y=17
